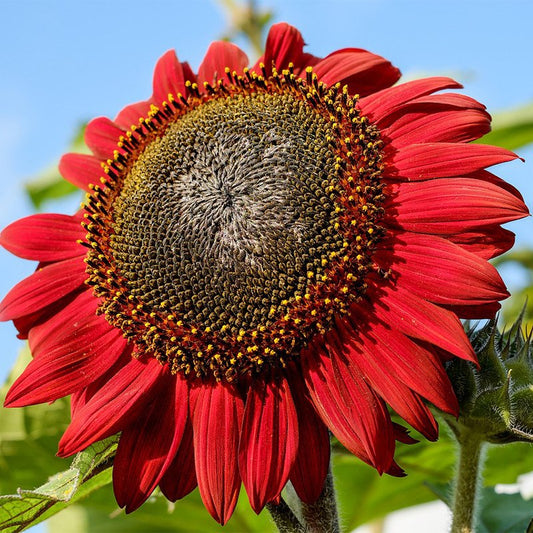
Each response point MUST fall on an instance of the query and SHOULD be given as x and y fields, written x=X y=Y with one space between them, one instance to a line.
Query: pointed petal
x=69 y=363
x=486 y=243
x=284 y=45
x=148 y=446
x=221 y=54
x=81 y=169
x=312 y=460
x=437 y=160
x=169 y=78
x=269 y=441
x=180 y=477
x=347 y=405
x=386 y=383
x=442 y=272
x=102 y=136
x=362 y=71
x=420 y=319
x=43 y=288
x=216 y=413
x=378 y=106
x=451 y=205
x=44 y=237
x=115 y=407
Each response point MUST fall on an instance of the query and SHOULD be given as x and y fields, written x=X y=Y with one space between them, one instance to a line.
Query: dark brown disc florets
x=235 y=225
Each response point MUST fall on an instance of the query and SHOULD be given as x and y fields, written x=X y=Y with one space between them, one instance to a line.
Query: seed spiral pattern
x=234 y=225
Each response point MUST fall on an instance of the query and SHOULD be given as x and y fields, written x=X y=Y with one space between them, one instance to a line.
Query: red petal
x=426 y=123
x=284 y=45
x=312 y=460
x=102 y=136
x=180 y=477
x=68 y=364
x=221 y=54
x=113 y=408
x=436 y=160
x=487 y=243
x=42 y=288
x=148 y=446
x=269 y=442
x=169 y=77
x=451 y=205
x=131 y=114
x=81 y=170
x=363 y=72
x=379 y=105
x=418 y=368
x=347 y=405
x=442 y=272
x=216 y=413
x=386 y=383
x=420 y=319
x=44 y=237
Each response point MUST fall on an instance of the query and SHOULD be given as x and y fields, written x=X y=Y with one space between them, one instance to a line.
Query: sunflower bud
x=496 y=399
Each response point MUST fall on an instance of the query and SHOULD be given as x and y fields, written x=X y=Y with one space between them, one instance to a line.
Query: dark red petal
x=425 y=124
x=44 y=237
x=417 y=367
x=43 y=288
x=81 y=169
x=378 y=106
x=451 y=205
x=284 y=45
x=169 y=78
x=68 y=364
x=312 y=460
x=221 y=54
x=114 y=407
x=475 y=311
x=362 y=71
x=64 y=323
x=130 y=115
x=386 y=383
x=148 y=446
x=336 y=383
x=269 y=441
x=436 y=160
x=442 y=272
x=102 y=136
x=180 y=477
x=486 y=243
x=216 y=414
x=421 y=319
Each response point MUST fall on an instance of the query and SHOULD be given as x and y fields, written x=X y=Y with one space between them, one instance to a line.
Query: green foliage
x=49 y=184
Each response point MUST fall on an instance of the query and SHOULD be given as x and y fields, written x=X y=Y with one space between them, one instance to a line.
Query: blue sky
x=63 y=62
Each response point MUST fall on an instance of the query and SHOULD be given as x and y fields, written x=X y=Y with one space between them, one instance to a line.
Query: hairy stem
x=322 y=516
x=466 y=483
x=284 y=518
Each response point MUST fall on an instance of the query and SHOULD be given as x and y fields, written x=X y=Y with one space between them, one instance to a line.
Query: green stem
x=466 y=483
x=284 y=518
x=322 y=516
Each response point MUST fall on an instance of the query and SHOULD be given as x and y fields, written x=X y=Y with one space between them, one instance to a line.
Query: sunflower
x=264 y=255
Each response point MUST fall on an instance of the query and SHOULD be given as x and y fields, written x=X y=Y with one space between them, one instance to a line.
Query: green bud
x=496 y=399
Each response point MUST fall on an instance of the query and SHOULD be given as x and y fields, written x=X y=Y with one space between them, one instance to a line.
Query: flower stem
x=466 y=483
x=322 y=516
x=284 y=518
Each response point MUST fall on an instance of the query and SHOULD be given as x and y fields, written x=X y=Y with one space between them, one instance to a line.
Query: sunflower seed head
x=496 y=399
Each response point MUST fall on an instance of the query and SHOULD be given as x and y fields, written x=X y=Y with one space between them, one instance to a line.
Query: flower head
x=264 y=254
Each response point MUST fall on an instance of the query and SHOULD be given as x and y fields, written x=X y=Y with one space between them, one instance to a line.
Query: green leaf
x=511 y=129
x=90 y=470
x=49 y=184
x=364 y=496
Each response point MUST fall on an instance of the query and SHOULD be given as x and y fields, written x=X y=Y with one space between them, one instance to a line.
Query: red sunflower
x=264 y=255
